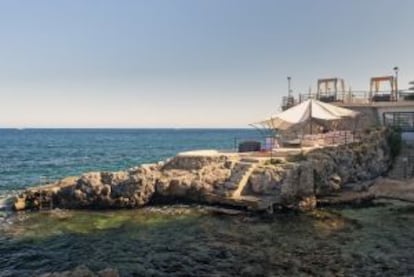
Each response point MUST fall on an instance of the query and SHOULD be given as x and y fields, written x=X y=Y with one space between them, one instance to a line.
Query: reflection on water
x=193 y=241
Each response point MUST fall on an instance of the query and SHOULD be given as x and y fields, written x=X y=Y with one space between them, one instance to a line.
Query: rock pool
x=194 y=241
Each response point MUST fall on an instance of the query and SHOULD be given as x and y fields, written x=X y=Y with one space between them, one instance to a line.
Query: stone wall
x=325 y=171
x=368 y=117
x=302 y=178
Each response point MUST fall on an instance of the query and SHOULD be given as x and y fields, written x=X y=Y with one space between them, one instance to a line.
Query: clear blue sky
x=187 y=63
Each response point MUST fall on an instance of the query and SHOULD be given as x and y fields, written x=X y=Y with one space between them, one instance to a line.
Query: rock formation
x=258 y=184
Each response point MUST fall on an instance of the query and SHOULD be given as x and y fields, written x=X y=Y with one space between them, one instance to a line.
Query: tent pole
x=261 y=132
x=310 y=123
x=310 y=116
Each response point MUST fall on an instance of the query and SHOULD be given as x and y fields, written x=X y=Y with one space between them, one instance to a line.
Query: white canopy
x=303 y=112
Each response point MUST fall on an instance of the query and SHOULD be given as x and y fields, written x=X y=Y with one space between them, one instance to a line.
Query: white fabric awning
x=303 y=112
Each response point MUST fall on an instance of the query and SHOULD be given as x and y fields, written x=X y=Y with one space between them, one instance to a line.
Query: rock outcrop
x=295 y=182
x=325 y=171
x=124 y=189
x=380 y=188
x=186 y=177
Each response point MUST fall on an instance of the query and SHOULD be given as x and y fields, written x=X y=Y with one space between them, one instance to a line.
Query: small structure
x=305 y=113
x=374 y=89
x=304 y=117
x=328 y=89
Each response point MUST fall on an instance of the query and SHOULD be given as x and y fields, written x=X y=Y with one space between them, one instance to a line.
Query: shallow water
x=185 y=240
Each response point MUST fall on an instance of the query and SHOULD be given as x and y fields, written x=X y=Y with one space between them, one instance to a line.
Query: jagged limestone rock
x=267 y=180
x=215 y=178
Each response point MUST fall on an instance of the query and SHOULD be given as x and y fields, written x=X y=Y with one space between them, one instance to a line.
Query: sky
x=187 y=63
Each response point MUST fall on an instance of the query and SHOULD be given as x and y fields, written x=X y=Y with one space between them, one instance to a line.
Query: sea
x=181 y=240
x=35 y=156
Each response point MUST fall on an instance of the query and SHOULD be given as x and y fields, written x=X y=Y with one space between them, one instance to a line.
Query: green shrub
x=297 y=157
x=395 y=141
x=274 y=161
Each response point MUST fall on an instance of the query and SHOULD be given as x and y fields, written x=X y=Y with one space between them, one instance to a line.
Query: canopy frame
x=303 y=115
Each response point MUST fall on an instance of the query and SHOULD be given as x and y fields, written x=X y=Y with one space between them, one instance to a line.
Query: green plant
x=274 y=161
x=395 y=141
x=297 y=157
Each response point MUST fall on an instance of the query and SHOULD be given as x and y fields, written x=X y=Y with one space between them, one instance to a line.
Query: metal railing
x=331 y=138
x=408 y=167
x=403 y=120
x=288 y=101
x=270 y=143
x=263 y=140
x=352 y=97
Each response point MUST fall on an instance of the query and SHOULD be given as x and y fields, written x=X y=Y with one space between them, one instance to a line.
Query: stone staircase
x=403 y=167
x=234 y=190
x=238 y=180
x=243 y=178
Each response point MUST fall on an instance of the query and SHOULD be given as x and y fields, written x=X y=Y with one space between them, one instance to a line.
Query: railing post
x=405 y=162
x=271 y=149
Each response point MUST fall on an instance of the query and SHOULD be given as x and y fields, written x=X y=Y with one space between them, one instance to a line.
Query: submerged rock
x=83 y=271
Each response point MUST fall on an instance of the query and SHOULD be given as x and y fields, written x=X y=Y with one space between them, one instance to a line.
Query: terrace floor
x=259 y=155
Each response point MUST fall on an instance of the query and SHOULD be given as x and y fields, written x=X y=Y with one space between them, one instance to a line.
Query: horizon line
x=124 y=128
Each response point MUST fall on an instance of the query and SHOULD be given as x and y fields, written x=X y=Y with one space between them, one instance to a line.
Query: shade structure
x=306 y=111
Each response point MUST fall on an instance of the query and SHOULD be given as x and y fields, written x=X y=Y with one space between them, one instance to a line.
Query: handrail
x=351 y=97
x=337 y=137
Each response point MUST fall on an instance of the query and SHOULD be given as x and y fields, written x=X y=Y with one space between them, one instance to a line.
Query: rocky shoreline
x=299 y=181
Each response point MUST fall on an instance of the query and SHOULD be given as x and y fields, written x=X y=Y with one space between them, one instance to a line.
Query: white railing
x=330 y=138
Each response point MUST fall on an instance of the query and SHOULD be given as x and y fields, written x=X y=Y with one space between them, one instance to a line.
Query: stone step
x=243 y=182
x=249 y=160
x=240 y=172
x=238 y=179
x=239 y=167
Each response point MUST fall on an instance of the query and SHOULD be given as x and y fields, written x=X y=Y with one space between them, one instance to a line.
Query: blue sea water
x=181 y=240
x=33 y=156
